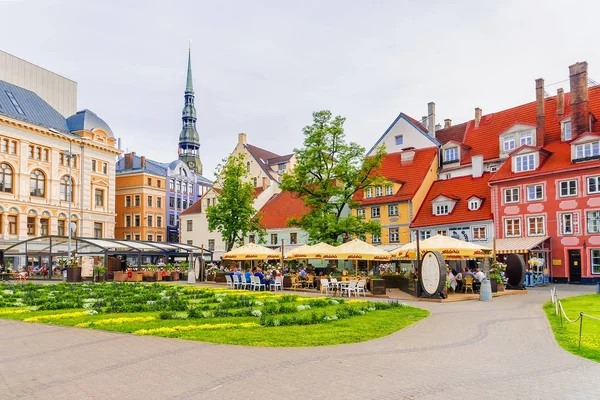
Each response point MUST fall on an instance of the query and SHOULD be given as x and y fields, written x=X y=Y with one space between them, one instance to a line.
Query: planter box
x=74 y=274
x=135 y=276
x=119 y=276
x=377 y=287
x=174 y=275
x=392 y=281
x=494 y=285
x=220 y=277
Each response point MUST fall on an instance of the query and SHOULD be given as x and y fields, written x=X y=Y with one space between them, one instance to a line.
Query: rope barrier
x=558 y=306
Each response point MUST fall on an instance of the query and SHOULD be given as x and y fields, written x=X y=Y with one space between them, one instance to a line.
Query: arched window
x=37 y=183
x=66 y=189
x=6 y=178
x=248 y=165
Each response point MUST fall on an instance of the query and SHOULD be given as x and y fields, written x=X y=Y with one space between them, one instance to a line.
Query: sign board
x=432 y=273
x=87 y=266
x=556 y=262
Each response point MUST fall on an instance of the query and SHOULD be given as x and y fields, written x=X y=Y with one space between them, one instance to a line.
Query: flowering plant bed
x=212 y=315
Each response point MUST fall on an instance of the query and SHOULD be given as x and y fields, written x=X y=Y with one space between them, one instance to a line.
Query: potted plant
x=99 y=273
x=377 y=286
x=183 y=270
x=211 y=271
x=73 y=270
x=497 y=277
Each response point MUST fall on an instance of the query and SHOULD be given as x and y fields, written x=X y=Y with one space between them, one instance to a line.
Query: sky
x=263 y=67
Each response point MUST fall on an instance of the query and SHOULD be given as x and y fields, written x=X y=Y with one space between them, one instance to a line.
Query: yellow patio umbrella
x=251 y=251
x=450 y=248
x=357 y=250
x=309 y=252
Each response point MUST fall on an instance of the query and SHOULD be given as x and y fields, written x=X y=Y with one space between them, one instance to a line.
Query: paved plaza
x=465 y=350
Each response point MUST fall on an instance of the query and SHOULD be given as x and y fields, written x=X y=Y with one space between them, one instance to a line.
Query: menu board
x=87 y=267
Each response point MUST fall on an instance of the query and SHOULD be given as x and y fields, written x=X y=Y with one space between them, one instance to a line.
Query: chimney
x=129 y=161
x=265 y=182
x=477 y=166
x=431 y=118
x=407 y=156
x=143 y=162
x=580 y=108
x=424 y=122
x=477 y=117
x=560 y=102
x=540 y=112
x=242 y=138
x=447 y=123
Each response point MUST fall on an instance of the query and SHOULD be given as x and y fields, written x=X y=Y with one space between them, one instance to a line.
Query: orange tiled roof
x=461 y=189
x=411 y=173
x=280 y=208
x=454 y=133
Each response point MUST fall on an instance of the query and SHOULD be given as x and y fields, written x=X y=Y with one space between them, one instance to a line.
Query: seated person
x=479 y=275
x=238 y=273
x=302 y=274
x=247 y=275
x=260 y=275
x=459 y=279
x=467 y=273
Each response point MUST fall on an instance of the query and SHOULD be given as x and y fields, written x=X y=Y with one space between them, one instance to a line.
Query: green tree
x=233 y=215
x=329 y=173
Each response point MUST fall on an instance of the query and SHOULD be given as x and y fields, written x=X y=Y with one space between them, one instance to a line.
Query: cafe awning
x=251 y=251
x=518 y=245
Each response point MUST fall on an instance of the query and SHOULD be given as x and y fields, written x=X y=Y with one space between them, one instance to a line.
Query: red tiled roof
x=461 y=188
x=263 y=156
x=196 y=208
x=414 y=121
x=558 y=160
x=280 y=208
x=455 y=133
x=411 y=173
x=483 y=140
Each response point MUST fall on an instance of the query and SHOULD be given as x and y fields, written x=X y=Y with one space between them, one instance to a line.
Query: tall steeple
x=189 y=139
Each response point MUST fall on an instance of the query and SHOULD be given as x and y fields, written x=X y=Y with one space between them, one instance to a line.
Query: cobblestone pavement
x=467 y=350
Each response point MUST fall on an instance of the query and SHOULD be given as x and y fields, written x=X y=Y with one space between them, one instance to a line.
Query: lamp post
x=485 y=290
x=69 y=156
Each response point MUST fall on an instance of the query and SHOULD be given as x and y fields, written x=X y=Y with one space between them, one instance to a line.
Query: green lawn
x=567 y=334
x=209 y=315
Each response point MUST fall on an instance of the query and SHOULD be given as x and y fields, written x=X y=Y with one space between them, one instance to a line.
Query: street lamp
x=69 y=156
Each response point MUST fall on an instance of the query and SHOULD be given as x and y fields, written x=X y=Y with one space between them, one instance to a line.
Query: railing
x=558 y=310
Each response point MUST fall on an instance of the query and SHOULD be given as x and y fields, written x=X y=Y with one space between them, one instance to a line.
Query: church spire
x=189 y=139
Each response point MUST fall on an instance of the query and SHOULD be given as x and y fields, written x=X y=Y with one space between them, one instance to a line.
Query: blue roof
x=87 y=121
x=152 y=167
x=26 y=106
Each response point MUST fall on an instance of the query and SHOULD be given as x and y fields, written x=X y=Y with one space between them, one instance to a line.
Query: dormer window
x=508 y=143
x=474 y=204
x=587 y=150
x=378 y=191
x=525 y=162
x=451 y=154
x=566 y=132
x=441 y=209
x=369 y=192
x=527 y=139
x=389 y=190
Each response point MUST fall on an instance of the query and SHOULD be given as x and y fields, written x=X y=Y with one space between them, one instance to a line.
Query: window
x=251 y=239
x=37 y=183
x=4 y=146
x=593 y=221
x=159 y=202
x=442 y=232
x=158 y=184
x=493 y=168
x=378 y=191
x=136 y=200
x=567 y=134
x=248 y=166
x=474 y=205
x=441 y=209
x=12 y=224
x=569 y=224
x=105 y=168
x=511 y=195
x=293 y=238
x=568 y=188
x=369 y=192
x=149 y=220
x=394 y=235
x=65 y=188
x=376 y=239
x=93 y=165
x=172 y=202
x=479 y=233
x=149 y=181
x=45 y=155
x=375 y=212
x=399 y=140
x=171 y=185
x=127 y=201
x=137 y=236
x=149 y=201
x=424 y=235
x=535 y=226
x=30 y=152
x=99 y=197
x=127 y=221
x=31 y=226
x=274 y=238
x=524 y=163
x=159 y=237
x=255 y=182
x=360 y=212
x=190 y=225
x=389 y=190
x=13 y=147
x=593 y=185
x=392 y=210
x=508 y=144
x=38 y=153
x=451 y=154
x=185 y=205
x=44 y=226
x=535 y=192
x=587 y=150
x=211 y=244
x=526 y=139
x=136 y=221
x=178 y=203
x=61 y=227
x=97 y=230
x=178 y=186
x=6 y=178
x=158 y=221
x=151 y=237
x=512 y=227
x=172 y=220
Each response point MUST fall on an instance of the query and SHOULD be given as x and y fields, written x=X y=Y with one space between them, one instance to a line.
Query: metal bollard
x=598 y=288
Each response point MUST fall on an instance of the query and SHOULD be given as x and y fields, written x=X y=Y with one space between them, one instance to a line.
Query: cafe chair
x=325 y=286
x=228 y=281
x=468 y=284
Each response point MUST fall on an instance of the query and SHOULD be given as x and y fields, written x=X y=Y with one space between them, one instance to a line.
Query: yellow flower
x=18 y=311
x=185 y=328
x=53 y=317
x=115 y=321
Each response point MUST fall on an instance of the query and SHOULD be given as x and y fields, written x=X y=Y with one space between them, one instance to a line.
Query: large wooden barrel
x=515 y=271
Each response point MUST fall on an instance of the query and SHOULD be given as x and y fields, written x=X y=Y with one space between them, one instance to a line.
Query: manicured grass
x=567 y=334
x=209 y=315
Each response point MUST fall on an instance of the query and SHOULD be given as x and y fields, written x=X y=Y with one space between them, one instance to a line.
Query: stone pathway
x=503 y=349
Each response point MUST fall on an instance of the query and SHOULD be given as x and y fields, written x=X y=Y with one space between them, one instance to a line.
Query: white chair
x=360 y=287
x=228 y=281
x=257 y=285
x=243 y=283
x=351 y=288
x=325 y=286
x=278 y=285
x=236 y=282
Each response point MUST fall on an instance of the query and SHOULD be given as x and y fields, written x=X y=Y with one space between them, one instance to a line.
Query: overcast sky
x=262 y=67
